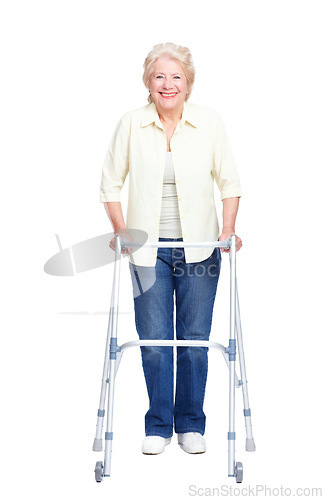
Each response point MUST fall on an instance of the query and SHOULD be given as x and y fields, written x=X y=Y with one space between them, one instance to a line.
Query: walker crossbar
x=185 y=343
x=113 y=355
x=178 y=244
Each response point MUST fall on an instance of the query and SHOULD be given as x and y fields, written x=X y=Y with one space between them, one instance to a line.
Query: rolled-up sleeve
x=116 y=163
x=224 y=167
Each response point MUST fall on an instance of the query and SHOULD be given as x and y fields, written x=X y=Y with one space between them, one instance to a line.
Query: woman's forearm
x=114 y=211
x=230 y=210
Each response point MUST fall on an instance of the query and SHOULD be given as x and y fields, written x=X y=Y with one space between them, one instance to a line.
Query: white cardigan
x=201 y=154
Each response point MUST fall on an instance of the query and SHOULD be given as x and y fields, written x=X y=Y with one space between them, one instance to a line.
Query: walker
x=113 y=355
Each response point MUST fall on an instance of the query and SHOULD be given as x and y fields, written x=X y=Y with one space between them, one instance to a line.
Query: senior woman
x=173 y=151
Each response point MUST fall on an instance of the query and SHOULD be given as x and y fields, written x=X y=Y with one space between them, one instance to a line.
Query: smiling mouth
x=168 y=96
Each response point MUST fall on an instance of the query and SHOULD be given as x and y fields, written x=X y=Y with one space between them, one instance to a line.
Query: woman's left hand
x=224 y=236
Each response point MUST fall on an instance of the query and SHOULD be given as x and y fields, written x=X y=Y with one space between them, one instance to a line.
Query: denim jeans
x=195 y=287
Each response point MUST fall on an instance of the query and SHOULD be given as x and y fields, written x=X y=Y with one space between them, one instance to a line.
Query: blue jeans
x=195 y=287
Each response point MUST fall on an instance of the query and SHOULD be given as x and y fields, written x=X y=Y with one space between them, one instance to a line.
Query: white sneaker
x=153 y=445
x=192 y=442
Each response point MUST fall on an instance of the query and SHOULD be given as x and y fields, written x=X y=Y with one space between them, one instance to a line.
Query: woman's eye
x=159 y=76
x=177 y=77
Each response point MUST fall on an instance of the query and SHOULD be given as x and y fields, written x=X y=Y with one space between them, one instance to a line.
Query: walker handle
x=226 y=244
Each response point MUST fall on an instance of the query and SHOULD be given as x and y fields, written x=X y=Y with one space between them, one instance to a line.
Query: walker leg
x=234 y=468
x=97 y=444
x=250 y=442
x=109 y=433
x=232 y=357
x=112 y=364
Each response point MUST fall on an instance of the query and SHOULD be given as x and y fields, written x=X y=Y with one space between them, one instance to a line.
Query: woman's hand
x=125 y=236
x=227 y=234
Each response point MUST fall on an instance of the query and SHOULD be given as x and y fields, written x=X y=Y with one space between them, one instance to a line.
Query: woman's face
x=168 y=85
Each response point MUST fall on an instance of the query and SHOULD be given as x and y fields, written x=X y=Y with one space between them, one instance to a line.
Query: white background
x=70 y=70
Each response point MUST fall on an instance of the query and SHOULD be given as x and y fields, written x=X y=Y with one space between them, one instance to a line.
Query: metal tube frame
x=114 y=353
x=232 y=358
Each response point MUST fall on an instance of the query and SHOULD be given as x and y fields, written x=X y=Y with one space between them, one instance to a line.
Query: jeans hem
x=159 y=434
x=184 y=431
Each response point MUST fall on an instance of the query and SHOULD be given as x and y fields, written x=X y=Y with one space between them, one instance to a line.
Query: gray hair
x=181 y=55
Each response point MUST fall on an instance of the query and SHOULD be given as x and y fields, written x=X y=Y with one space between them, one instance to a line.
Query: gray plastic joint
x=228 y=242
x=231 y=350
x=240 y=383
x=231 y=435
x=247 y=412
x=113 y=348
x=101 y=413
x=123 y=245
x=108 y=436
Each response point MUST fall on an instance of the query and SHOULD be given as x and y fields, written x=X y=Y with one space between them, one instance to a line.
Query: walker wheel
x=238 y=472
x=98 y=472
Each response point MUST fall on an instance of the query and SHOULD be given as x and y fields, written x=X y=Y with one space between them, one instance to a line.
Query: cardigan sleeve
x=116 y=163
x=224 y=167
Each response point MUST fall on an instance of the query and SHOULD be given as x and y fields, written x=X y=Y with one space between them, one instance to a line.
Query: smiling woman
x=173 y=151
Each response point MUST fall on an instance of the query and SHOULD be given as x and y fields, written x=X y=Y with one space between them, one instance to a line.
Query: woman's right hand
x=125 y=235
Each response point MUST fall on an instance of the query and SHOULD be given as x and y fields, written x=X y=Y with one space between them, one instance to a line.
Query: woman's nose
x=168 y=83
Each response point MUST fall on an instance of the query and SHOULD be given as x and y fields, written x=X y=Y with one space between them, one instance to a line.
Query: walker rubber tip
x=250 y=444
x=97 y=445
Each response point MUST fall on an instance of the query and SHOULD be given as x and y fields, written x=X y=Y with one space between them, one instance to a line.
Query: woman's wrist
x=120 y=230
x=228 y=230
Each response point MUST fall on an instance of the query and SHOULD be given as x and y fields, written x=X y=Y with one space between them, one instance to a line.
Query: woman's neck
x=170 y=117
